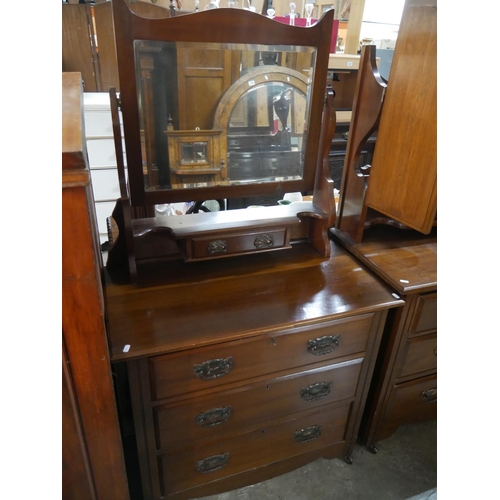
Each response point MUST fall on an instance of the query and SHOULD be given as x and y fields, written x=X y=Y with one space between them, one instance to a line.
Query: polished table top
x=195 y=304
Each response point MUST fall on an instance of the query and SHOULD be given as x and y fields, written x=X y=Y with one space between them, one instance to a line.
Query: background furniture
x=387 y=217
x=88 y=41
x=101 y=156
x=92 y=456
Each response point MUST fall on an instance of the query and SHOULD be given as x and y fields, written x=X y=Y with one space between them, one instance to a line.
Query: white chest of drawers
x=102 y=157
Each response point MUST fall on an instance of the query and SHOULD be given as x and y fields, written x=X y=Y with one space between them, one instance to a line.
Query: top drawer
x=425 y=316
x=205 y=368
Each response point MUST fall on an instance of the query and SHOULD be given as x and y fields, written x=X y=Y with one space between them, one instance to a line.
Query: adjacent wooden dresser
x=246 y=368
x=404 y=386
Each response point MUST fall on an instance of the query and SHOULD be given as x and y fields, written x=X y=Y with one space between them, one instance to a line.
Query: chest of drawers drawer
x=231 y=411
x=416 y=399
x=176 y=375
x=208 y=247
x=420 y=355
x=102 y=153
x=293 y=436
x=425 y=315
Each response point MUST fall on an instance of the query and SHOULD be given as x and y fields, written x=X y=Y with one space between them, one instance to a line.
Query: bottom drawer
x=305 y=432
x=413 y=401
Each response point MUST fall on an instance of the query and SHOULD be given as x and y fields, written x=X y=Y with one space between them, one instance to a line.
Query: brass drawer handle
x=214 y=368
x=429 y=396
x=217 y=246
x=308 y=434
x=212 y=464
x=323 y=345
x=263 y=241
x=215 y=416
x=315 y=391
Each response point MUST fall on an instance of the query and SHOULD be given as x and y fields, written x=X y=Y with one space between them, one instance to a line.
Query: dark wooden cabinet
x=240 y=370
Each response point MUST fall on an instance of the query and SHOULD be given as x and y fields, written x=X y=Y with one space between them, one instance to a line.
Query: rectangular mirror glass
x=216 y=114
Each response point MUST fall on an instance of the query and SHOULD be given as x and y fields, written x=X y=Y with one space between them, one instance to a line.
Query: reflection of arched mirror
x=262 y=120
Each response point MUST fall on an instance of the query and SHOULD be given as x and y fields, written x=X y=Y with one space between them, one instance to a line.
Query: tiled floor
x=405 y=468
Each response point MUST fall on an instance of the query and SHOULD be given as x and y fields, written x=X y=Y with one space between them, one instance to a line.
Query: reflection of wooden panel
x=299 y=114
x=203 y=76
x=262 y=107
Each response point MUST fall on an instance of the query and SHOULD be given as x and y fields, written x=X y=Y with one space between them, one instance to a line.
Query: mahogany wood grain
x=403 y=178
x=172 y=374
x=405 y=259
x=83 y=311
x=256 y=475
x=420 y=355
x=73 y=143
x=267 y=291
x=425 y=316
x=262 y=310
x=407 y=404
x=368 y=99
x=77 y=481
x=396 y=364
x=254 y=404
x=256 y=448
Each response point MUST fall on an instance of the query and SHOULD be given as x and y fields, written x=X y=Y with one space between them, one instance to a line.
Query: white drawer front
x=102 y=153
x=103 y=211
x=98 y=124
x=105 y=184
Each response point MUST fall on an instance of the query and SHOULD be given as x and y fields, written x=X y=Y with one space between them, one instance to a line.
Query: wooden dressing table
x=245 y=368
x=248 y=337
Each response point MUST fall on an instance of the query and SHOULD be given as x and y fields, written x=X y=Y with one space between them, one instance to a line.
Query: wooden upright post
x=354 y=26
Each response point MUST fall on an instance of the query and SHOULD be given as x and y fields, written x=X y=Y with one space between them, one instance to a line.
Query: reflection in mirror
x=265 y=135
x=222 y=115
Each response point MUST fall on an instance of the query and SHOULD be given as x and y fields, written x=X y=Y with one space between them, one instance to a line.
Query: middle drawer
x=179 y=374
x=231 y=411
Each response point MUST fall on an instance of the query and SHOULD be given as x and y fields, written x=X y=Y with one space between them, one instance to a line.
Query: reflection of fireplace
x=263 y=165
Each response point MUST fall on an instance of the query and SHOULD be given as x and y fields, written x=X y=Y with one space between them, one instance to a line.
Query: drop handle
x=263 y=241
x=316 y=391
x=213 y=368
x=429 y=396
x=212 y=464
x=308 y=434
x=323 y=345
x=215 y=416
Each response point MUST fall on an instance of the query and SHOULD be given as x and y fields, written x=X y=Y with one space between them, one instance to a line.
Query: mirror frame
x=228 y=26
